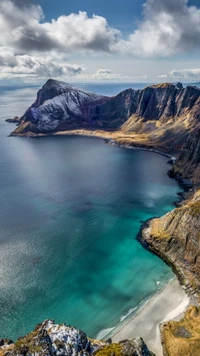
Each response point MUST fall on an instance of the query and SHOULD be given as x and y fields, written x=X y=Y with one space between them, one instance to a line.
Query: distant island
x=164 y=118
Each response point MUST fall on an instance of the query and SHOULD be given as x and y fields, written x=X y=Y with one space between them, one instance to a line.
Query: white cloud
x=163 y=76
x=21 y=28
x=35 y=67
x=29 y=46
x=183 y=75
x=186 y=74
x=168 y=27
x=106 y=74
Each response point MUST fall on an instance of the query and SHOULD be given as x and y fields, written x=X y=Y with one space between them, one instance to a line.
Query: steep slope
x=165 y=113
x=58 y=104
x=50 y=339
x=175 y=237
x=187 y=166
x=61 y=107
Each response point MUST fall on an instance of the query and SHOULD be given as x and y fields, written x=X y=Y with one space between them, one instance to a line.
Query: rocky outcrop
x=182 y=337
x=175 y=237
x=135 y=347
x=50 y=339
x=14 y=120
x=187 y=166
x=166 y=113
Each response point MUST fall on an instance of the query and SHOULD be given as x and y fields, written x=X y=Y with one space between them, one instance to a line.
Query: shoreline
x=146 y=322
x=134 y=141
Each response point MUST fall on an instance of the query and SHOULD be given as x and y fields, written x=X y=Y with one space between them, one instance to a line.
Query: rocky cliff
x=50 y=339
x=175 y=237
x=165 y=113
x=187 y=166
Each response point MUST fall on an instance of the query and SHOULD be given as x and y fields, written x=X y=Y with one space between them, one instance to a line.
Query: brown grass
x=183 y=338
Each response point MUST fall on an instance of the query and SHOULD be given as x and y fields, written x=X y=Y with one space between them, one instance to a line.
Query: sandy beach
x=168 y=304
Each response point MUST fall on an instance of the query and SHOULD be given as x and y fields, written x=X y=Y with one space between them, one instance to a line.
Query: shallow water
x=70 y=210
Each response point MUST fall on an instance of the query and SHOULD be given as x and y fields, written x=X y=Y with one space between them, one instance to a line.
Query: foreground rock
x=175 y=237
x=52 y=339
x=14 y=120
x=183 y=337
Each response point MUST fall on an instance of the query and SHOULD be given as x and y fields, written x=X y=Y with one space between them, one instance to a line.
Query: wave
x=102 y=333
x=128 y=313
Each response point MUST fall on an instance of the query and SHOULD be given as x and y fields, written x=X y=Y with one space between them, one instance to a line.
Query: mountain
x=165 y=113
x=50 y=339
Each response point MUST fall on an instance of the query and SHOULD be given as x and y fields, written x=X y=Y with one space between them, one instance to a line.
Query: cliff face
x=50 y=339
x=166 y=113
x=175 y=237
x=187 y=165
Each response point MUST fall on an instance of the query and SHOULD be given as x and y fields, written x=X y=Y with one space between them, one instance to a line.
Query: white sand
x=164 y=306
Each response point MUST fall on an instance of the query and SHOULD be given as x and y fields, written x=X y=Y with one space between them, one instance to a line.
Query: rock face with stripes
x=60 y=106
x=187 y=166
x=175 y=237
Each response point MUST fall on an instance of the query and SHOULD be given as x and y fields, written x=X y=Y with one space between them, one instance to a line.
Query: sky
x=99 y=41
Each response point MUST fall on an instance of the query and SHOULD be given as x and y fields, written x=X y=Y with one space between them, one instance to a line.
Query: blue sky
x=121 y=14
x=87 y=40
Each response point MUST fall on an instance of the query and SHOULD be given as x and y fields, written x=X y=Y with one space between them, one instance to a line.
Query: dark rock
x=15 y=120
x=187 y=166
x=4 y=342
x=136 y=347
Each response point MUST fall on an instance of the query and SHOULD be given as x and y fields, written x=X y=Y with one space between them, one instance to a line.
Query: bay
x=70 y=210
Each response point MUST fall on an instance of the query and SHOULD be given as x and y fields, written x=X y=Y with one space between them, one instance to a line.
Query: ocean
x=70 y=210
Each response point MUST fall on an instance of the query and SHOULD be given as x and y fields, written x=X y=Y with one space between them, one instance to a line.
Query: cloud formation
x=33 y=67
x=22 y=29
x=184 y=75
x=106 y=74
x=168 y=27
x=30 y=46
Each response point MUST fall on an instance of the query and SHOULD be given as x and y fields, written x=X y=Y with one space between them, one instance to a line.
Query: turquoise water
x=70 y=210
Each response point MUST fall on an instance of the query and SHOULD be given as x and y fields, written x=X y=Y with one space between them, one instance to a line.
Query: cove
x=70 y=210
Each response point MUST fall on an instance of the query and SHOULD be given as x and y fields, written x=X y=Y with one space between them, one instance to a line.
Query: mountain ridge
x=156 y=111
x=162 y=117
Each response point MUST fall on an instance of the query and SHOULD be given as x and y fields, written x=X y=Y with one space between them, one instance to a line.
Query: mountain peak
x=57 y=84
x=168 y=85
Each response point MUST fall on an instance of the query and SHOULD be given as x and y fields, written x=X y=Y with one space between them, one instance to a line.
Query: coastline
x=169 y=303
x=146 y=322
x=118 y=138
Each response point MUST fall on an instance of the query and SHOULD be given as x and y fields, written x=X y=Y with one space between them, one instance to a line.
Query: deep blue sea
x=70 y=209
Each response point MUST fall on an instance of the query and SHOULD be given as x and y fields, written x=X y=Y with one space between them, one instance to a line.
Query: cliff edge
x=175 y=238
x=166 y=113
x=50 y=339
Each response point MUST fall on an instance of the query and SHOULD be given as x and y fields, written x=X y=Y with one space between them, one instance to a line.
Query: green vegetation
x=110 y=350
